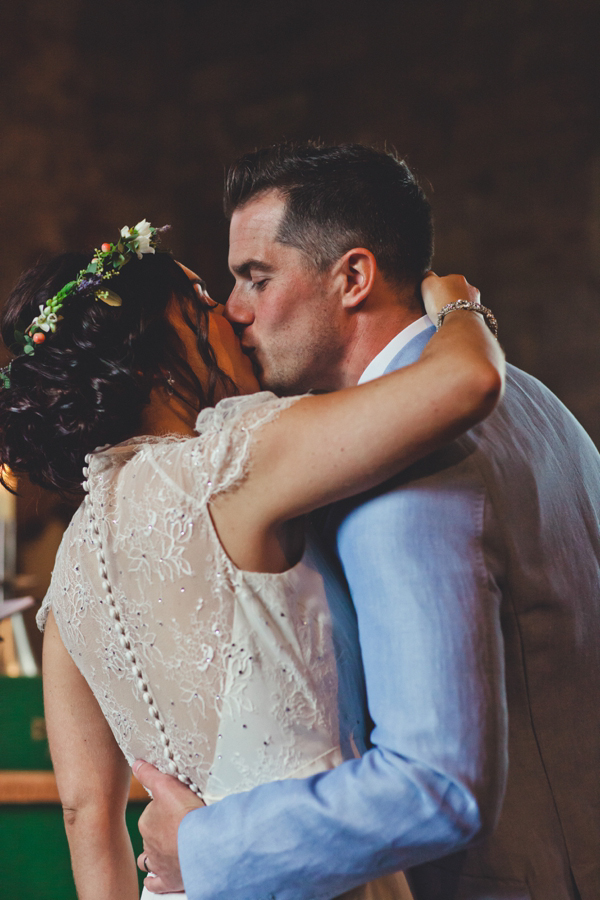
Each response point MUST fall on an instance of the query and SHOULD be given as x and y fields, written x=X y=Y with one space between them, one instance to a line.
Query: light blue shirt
x=385 y=357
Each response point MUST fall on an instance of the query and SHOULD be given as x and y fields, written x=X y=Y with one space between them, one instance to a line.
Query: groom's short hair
x=341 y=197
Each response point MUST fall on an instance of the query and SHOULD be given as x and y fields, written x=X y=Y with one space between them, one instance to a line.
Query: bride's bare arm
x=92 y=776
x=330 y=446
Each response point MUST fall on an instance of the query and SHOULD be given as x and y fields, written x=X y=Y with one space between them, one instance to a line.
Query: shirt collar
x=378 y=365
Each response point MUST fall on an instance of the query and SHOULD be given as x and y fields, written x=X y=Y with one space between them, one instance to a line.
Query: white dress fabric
x=240 y=665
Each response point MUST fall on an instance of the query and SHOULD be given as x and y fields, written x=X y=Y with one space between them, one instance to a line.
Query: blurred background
x=113 y=112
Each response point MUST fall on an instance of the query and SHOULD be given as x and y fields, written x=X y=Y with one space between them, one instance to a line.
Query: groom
x=475 y=579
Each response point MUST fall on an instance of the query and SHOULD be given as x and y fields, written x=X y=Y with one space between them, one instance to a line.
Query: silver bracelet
x=488 y=315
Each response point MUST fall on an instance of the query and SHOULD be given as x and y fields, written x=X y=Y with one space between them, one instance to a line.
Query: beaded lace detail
x=222 y=677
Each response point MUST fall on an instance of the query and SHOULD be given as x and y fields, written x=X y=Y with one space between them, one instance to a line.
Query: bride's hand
x=438 y=291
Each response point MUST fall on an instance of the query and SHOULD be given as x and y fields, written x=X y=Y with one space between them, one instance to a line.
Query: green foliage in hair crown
x=106 y=263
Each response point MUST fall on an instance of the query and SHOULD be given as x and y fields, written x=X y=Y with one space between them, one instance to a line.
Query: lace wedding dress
x=224 y=678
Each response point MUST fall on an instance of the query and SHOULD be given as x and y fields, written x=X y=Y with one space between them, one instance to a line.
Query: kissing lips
x=250 y=352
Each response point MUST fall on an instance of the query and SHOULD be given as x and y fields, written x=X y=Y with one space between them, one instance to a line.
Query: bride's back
x=225 y=677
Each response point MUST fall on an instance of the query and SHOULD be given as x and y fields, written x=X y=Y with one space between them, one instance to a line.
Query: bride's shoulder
x=216 y=459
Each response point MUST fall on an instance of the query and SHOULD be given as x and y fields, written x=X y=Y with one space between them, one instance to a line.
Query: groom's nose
x=238 y=312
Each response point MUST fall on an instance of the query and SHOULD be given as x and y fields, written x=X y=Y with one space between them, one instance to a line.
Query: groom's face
x=286 y=313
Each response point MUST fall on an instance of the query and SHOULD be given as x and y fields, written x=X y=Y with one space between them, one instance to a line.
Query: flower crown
x=106 y=263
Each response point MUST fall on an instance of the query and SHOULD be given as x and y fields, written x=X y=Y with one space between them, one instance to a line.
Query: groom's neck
x=375 y=328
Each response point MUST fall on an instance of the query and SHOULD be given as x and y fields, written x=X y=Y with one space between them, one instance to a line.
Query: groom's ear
x=356 y=271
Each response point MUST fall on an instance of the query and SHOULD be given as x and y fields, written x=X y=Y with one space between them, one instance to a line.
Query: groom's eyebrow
x=244 y=269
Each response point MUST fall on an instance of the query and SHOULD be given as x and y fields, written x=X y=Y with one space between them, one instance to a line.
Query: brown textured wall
x=115 y=111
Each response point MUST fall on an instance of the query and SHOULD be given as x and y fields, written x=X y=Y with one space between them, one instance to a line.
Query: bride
x=187 y=622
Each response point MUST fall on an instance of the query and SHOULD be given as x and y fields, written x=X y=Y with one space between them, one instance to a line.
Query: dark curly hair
x=90 y=381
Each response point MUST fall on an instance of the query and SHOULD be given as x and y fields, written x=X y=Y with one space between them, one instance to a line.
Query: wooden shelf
x=20 y=787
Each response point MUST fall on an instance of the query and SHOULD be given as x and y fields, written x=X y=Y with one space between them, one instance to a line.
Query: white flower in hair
x=143 y=236
x=47 y=319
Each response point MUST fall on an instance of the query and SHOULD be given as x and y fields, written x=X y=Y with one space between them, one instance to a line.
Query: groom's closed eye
x=245 y=269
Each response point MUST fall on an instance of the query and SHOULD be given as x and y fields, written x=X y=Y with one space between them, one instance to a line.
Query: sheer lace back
x=240 y=664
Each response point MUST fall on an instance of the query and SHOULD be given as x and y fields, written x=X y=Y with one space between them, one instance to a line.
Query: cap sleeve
x=219 y=458
x=56 y=589
x=44 y=610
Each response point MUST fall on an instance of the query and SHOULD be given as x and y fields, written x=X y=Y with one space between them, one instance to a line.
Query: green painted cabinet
x=34 y=856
